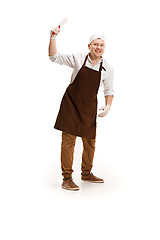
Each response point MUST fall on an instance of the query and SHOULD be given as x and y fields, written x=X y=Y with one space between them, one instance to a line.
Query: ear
x=88 y=46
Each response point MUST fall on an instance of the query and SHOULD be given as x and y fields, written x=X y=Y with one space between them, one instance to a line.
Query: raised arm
x=52 y=44
x=52 y=47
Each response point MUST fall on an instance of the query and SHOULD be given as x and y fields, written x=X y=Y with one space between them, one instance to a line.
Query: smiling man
x=78 y=110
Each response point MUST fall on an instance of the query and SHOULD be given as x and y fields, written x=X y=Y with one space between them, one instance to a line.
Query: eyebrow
x=99 y=43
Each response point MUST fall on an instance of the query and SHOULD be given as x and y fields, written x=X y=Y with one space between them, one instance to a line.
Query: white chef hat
x=94 y=36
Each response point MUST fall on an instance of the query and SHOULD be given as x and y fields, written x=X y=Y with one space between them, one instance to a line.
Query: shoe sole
x=98 y=181
x=73 y=189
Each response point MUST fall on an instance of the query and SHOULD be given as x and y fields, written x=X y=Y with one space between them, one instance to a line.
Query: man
x=78 y=109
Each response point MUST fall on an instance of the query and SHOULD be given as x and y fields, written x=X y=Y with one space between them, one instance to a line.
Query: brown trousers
x=67 y=152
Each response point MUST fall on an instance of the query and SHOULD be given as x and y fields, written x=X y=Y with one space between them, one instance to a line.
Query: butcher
x=77 y=114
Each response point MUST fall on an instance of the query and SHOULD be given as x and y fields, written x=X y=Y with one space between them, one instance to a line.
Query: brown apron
x=78 y=109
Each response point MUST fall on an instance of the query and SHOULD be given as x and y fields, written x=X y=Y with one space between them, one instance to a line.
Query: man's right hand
x=54 y=32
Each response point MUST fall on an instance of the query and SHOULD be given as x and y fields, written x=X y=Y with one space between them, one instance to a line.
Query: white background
x=33 y=204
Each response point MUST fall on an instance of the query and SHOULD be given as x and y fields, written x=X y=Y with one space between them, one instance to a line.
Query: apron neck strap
x=100 y=68
x=85 y=60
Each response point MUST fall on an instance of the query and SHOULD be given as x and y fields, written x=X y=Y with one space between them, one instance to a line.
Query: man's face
x=97 y=47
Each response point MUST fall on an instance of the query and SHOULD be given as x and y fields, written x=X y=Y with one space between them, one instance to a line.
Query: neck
x=94 y=58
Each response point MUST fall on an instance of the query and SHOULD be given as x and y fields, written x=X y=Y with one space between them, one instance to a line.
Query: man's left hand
x=105 y=110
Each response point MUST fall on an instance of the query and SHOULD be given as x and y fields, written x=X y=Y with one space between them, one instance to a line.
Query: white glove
x=105 y=110
x=54 y=32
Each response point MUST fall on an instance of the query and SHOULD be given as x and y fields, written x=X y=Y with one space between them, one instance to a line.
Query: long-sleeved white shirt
x=76 y=60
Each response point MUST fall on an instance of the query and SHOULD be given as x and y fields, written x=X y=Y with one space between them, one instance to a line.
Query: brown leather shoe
x=69 y=185
x=91 y=178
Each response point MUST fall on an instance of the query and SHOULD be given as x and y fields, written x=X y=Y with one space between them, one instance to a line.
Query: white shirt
x=76 y=60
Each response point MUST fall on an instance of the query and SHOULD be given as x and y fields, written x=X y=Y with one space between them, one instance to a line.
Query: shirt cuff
x=53 y=58
x=109 y=92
